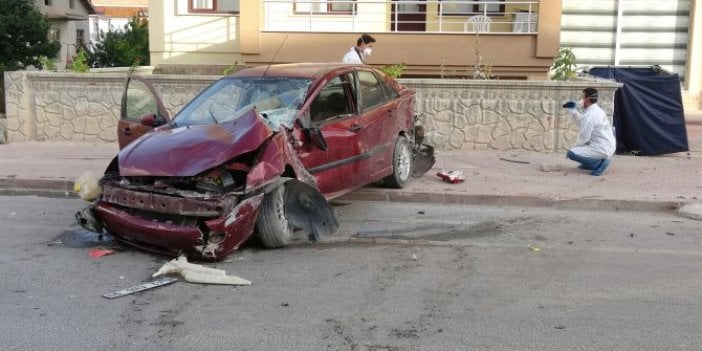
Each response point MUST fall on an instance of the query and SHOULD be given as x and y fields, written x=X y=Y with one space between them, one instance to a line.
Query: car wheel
x=401 y=164
x=273 y=227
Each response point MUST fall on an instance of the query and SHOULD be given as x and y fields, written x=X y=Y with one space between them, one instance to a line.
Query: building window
x=55 y=36
x=47 y=2
x=80 y=38
x=473 y=7
x=213 y=6
x=325 y=6
x=71 y=4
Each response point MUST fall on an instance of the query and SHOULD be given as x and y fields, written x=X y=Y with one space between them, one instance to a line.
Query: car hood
x=188 y=151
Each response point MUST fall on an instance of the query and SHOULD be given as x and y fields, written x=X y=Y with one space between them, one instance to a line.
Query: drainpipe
x=618 y=36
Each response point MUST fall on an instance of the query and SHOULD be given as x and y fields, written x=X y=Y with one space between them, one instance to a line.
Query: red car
x=259 y=151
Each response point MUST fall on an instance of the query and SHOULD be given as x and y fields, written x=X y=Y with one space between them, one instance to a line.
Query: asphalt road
x=395 y=277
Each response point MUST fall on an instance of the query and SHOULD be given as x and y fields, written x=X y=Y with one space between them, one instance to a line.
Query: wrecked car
x=260 y=151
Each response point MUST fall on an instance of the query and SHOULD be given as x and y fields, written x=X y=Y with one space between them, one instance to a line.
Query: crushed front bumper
x=202 y=229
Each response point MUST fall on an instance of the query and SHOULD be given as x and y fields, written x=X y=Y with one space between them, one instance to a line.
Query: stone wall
x=80 y=106
x=457 y=114
x=502 y=115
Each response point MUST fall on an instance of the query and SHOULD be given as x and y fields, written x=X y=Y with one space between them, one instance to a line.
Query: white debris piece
x=692 y=211
x=87 y=186
x=196 y=273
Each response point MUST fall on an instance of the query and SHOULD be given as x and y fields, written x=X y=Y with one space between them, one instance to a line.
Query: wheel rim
x=404 y=162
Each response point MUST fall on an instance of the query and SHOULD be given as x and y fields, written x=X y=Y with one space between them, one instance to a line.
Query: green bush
x=128 y=47
x=47 y=64
x=23 y=35
x=563 y=65
x=231 y=69
x=395 y=70
x=79 y=63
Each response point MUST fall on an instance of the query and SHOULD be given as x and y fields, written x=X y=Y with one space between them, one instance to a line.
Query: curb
x=47 y=187
x=64 y=188
x=385 y=195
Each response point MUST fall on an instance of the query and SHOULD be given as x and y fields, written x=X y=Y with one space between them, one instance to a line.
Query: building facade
x=113 y=15
x=69 y=25
x=429 y=37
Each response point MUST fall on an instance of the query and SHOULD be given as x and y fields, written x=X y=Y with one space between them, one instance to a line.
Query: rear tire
x=273 y=227
x=401 y=164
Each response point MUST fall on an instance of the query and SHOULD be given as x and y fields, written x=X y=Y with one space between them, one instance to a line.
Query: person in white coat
x=595 y=143
x=357 y=54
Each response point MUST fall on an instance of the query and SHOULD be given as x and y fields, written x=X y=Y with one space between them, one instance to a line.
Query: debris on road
x=514 y=161
x=545 y=167
x=534 y=248
x=87 y=186
x=97 y=253
x=452 y=177
x=141 y=287
x=195 y=273
x=691 y=211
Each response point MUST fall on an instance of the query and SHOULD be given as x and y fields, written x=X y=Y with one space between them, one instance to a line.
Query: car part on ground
x=452 y=177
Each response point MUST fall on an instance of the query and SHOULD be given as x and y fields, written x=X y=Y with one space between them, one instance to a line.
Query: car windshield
x=276 y=99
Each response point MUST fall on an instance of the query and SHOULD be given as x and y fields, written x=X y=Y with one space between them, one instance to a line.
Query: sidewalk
x=651 y=183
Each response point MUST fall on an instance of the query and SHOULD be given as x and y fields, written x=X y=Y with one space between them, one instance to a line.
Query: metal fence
x=377 y=16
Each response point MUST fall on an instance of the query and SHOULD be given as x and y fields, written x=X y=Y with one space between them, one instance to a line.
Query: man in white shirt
x=357 y=54
x=595 y=143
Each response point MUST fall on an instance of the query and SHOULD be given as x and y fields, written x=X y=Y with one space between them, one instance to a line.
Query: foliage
x=47 y=64
x=23 y=35
x=231 y=69
x=128 y=47
x=79 y=63
x=480 y=71
x=563 y=67
x=395 y=70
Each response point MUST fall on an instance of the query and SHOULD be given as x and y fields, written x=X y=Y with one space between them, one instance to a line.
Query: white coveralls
x=596 y=137
x=353 y=56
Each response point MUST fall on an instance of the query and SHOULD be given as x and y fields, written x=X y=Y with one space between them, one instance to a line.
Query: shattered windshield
x=276 y=99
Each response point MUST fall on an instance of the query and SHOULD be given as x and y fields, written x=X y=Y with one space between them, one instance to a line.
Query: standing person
x=358 y=53
x=595 y=143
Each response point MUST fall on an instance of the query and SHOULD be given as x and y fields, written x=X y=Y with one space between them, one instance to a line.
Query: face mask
x=580 y=104
x=367 y=51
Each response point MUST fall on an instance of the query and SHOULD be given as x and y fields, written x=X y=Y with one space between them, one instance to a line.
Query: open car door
x=142 y=110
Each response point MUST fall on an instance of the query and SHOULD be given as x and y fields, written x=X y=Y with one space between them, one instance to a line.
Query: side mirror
x=148 y=120
x=317 y=138
x=152 y=120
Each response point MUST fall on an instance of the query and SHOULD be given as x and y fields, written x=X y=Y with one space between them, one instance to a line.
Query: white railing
x=377 y=16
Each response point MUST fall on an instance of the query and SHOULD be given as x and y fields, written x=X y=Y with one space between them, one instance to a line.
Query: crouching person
x=595 y=143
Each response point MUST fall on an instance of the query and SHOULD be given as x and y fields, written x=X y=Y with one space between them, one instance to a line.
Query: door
x=141 y=111
x=379 y=106
x=344 y=165
x=408 y=16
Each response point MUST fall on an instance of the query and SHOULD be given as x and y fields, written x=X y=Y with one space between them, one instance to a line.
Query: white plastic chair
x=480 y=23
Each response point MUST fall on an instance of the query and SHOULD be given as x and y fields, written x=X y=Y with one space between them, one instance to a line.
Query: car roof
x=292 y=70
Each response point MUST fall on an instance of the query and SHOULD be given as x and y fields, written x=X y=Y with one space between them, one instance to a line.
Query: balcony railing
x=378 y=16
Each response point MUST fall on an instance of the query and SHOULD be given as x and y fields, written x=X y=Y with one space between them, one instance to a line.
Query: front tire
x=401 y=164
x=273 y=227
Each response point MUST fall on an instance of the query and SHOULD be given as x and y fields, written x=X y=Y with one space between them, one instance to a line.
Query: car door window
x=140 y=101
x=372 y=91
x=332 y=101
x=390 y=92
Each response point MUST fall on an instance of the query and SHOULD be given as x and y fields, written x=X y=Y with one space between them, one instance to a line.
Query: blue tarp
x=649 y=118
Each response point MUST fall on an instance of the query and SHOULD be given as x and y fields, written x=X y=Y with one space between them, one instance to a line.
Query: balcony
x=391 y=16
